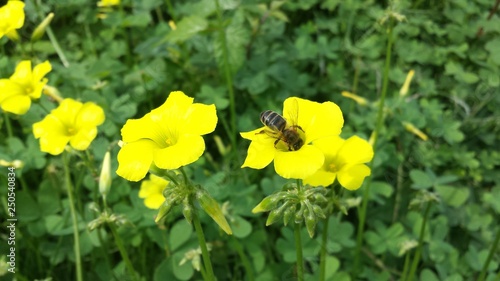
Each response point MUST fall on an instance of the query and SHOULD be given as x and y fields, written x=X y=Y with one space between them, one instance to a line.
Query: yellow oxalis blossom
x=316 y=121
x=71 y=122
x=169 y=136
x=24 y=85
x=152 y=191
x=11 y=17
x=108 y=3
x=344 y=160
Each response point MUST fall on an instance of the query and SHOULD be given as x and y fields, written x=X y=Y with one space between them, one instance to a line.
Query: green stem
x=490 y=256
x=416 y=257
x=324 y=241
x=298 y=249
x=76 y=235
x=52 y=37
x=123 y=251
x=229 y=79
x=203 y=245
x=380 y=118
x=244 y=259
x=405 y=268
x=7 y=124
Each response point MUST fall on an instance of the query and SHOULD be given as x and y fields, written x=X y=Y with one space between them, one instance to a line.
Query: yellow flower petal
x=66 y=111
x=298 y=164
x=134 y=159
x=154 y=185
x=186 y=151
x=18 y=104
x=89 y=114
x=82 y=139
x=154 y=201
x=260 y=152
x=52 y=135
x=12 y=15
x=143 y=128
x=252 y=134
x=22 y=74
x=316 y=119
x=321 y=178
x=198 y=112
x=355 y=150
x=329 y=145
x=351 y=177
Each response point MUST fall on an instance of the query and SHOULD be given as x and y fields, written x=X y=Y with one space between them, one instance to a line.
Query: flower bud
x=105 y=176
x=40 y=29
x=289 y=212
x=406 y=85
x=356 y=98
x=187 y=210
x=163 y=211
x=267 y=204
x=318 y=211
x=276 y=214
x=212 y=208
x=311 y=222
x=414 y=130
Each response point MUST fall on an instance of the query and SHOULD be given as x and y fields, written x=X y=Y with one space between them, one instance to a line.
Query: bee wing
x=291 y=111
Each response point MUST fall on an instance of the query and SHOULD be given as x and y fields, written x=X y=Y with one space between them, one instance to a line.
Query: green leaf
x=452 y=195
x=187 y=28
x=179 y=234
x=241 y=227
x=331 y=266
x=421 y=179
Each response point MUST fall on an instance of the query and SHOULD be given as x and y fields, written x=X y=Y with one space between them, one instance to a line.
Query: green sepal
x=311 y=222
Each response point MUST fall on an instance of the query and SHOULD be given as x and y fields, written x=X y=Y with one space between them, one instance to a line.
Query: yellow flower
x=344 y=160
x=71 y=122
x=24 y=85
x=108 y=3
x=314 y=121
x=169 y=136
x=152 y=191
x=12 y=17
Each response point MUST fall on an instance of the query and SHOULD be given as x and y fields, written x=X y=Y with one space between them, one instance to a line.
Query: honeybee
x=277 y=127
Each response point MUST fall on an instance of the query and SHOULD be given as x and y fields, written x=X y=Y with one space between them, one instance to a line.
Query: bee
x=277 y=127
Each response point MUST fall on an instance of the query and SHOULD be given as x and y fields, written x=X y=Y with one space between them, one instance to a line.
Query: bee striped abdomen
x=273 y=120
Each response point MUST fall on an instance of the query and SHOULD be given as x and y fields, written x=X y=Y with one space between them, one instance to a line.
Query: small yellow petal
x=134 y=159
x=186 y=151
x=82 y=139
x=252 y=134
x=329 y=145
x=321 y=178
x=298 y=164
x=351 y=177
x=52 y=135
x=18 y=104
x=23 y=73
x=355 y=150
x=154 y=201
x=40 y=70
x=260 y=154
x=89 y=114
x=201 y=119
x=143 y=128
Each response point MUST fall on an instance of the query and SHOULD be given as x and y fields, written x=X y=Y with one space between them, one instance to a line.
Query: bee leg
x=261 y=132
x=276 y=142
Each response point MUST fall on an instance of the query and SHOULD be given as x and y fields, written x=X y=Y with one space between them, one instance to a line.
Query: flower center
x=332 y=167
x=28 y=90
x=71 y=131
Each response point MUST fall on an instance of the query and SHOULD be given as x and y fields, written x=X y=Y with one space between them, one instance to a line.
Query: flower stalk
x=380 y=118
x=76 y=235
x=418 y=251
x=204 y=250
x=298 y=249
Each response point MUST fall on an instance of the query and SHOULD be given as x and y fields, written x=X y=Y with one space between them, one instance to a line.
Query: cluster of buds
x=181 y=191
x=304 y=204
